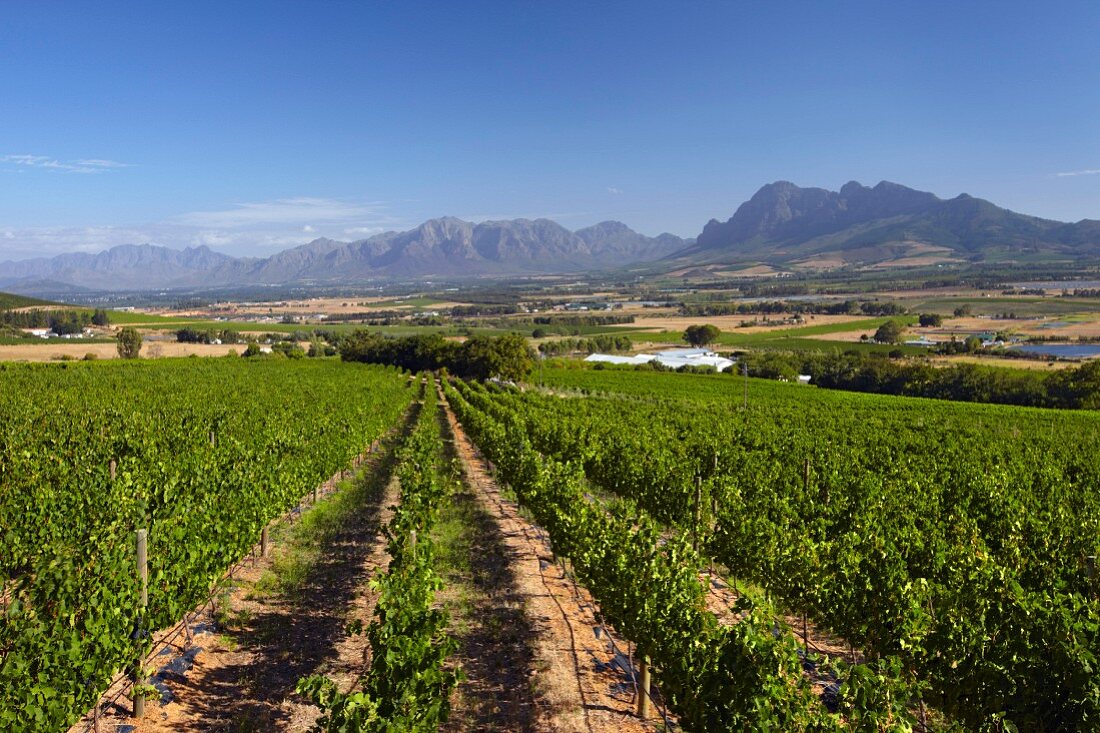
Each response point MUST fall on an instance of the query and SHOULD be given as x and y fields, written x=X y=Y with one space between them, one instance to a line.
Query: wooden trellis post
x=643 y=692
x=138 y=675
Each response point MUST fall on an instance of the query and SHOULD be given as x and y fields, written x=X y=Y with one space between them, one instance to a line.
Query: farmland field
x=957 y=539
x=201 y=453
x=717 y=529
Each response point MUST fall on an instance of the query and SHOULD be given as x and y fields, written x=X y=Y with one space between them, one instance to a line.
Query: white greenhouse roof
x=613 y=359
x=674 y=358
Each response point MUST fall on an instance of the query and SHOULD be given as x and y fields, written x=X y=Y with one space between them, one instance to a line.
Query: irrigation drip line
x=544 y=537
x=572 y=637
x=633 y=674
x=606 y=631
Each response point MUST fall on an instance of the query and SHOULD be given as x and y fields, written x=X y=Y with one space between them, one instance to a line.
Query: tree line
x=605 y=343
x=1074 y=388
x=207 y=336
x=478 y=357
x=60 y=321
x=585 y=320
x=847 y=307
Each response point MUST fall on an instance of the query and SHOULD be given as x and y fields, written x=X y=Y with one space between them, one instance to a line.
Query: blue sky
x=252 y=127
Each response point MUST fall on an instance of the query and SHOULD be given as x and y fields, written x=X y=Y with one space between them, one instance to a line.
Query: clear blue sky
x=256 y=126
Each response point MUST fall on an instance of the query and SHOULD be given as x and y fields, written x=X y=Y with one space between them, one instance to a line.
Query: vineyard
x=744 y=676
x=956 y=542
x=201 y=454
x=952 y=544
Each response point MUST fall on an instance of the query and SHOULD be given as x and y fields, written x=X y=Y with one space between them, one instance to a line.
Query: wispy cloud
x=300 y=211
x=49 y=241
x=101 y=163
x=613 y=191
x=1086 y=172
x=81 y=165
x=259 y=228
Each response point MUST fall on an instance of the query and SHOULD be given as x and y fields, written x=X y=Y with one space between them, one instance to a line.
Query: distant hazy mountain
x=446 y=247
x=782 y=225
x=785 y=225
x=615 y=239
x=125 y=267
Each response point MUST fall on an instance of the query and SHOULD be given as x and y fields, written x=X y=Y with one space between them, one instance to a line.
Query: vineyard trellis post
x=643 y=696
x=263 y=542
x=137 y=678
x=112 y=467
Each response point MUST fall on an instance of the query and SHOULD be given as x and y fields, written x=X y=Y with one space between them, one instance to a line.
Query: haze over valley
x=782 y=228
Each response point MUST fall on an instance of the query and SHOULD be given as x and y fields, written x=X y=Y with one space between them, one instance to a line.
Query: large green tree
x=506 y=357
x=890 y=332
x=702 y=334
x=479 y=357
x=129 y=343
x=930 y=319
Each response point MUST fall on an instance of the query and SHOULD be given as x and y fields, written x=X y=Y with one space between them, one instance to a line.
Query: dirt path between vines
x=487 y=617
x=239 y=676
x=579 y=682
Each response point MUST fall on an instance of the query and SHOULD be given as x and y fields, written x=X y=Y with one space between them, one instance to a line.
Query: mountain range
x=442 y=248
x=786 y=226
x=782 y=227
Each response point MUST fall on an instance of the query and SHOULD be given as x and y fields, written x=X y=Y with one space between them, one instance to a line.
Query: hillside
x=887 y=225
x=11 y=300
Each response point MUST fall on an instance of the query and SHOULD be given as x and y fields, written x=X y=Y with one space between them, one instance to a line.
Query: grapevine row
x=715 y=677
x=974 y=581
x=407 y=687
x=202 y=454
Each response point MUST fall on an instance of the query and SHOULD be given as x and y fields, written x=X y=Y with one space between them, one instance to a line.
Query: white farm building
x=673 y=358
